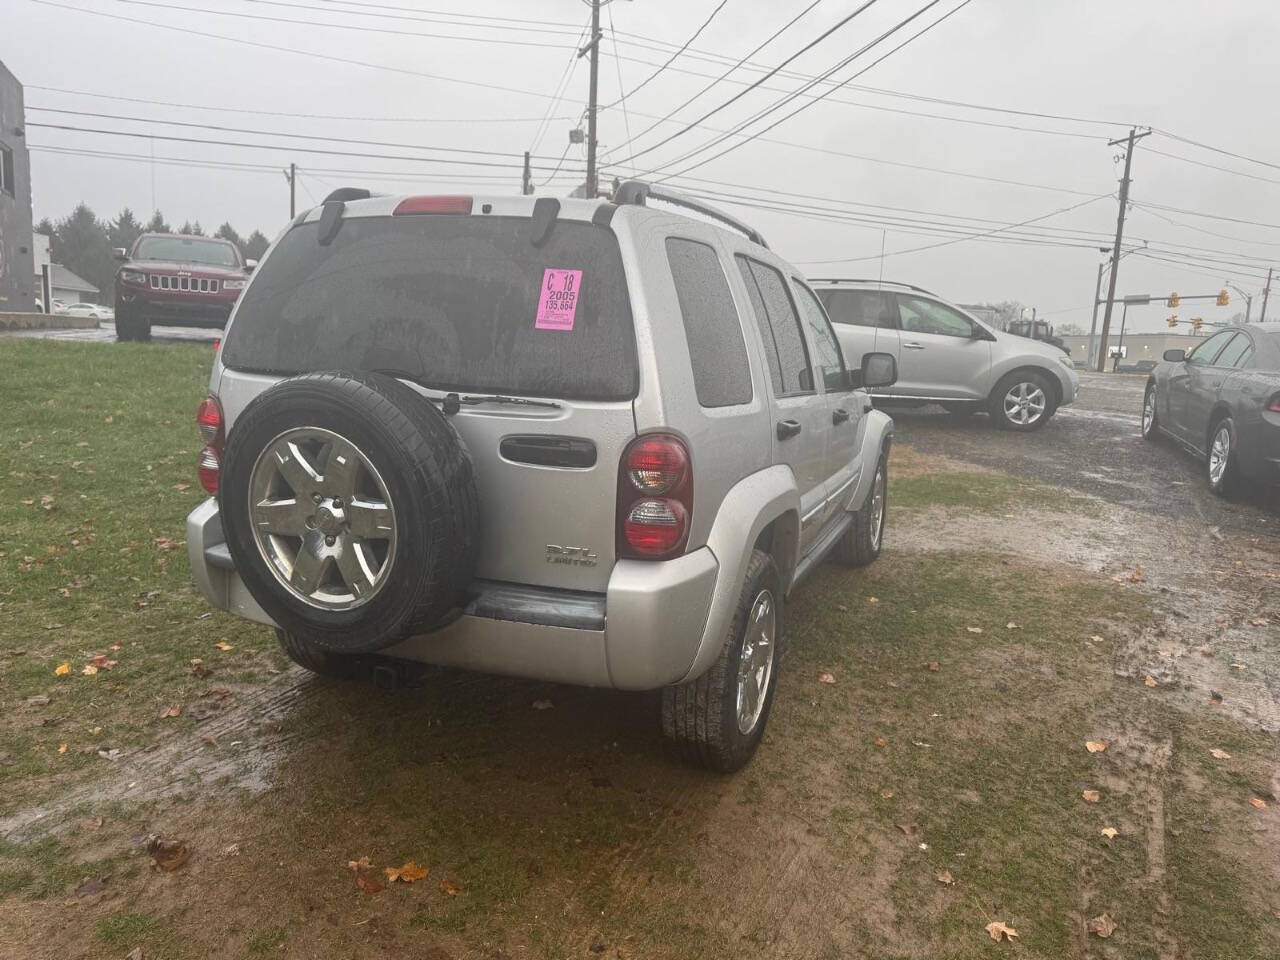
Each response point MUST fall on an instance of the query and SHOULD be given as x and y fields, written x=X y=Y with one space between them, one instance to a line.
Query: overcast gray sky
x=430 y=74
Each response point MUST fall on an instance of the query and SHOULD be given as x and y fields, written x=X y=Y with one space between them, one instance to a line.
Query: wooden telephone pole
x=593 y=47
x=1129 y=142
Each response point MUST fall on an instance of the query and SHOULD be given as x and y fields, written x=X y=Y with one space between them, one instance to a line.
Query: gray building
x=17 y=264
x=1137 y=346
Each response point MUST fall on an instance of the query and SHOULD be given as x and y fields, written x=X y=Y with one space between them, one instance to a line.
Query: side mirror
x=250 y=266
x=879 y=370
x=1175 y=356
x=120 y=253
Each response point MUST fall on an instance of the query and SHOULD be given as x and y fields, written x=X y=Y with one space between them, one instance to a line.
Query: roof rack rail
x=892 y=283
x=348 y=193
x=636 y=192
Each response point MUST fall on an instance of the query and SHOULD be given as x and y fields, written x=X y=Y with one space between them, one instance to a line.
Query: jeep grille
x=186 y=284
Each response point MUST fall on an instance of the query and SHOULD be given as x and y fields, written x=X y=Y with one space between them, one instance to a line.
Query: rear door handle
x=787 y=428
x=910 y=345
x=839 y=416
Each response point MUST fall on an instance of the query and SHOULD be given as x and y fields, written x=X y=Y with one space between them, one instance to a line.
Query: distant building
x=1137 y=346
x=70 y=288
x=17 y=286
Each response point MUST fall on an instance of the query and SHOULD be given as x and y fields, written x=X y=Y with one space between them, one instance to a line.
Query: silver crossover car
x=947 y=356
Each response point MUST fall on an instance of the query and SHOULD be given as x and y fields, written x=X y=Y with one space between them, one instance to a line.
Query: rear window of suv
x=454 y=302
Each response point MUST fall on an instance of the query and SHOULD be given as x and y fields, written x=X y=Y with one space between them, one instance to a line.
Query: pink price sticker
x=558 y=302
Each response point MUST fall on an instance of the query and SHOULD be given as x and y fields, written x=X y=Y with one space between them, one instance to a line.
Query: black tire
x=700 y=718
x=1150 y=415
x=429 y=481
x=1032 y=381
x=334 y=666
x=864 y=539
x=1227 y=483
x=130 y=325
x=961 y=410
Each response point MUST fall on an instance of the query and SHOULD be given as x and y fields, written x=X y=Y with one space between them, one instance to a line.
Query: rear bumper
x=642 y=633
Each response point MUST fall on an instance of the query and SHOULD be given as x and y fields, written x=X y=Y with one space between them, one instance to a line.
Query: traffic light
x=1197 y=323
x=1172 y=321
x=1174 y=299
x=1223 y=298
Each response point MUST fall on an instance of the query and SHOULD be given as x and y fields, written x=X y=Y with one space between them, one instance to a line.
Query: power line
x=1208 y=216
x=1225 y=153
x=562 y=87
x=1186 y=226
x=1211 y=166
x=670 y=60
x=617 y=63
x=805 y=106
x=444 y=13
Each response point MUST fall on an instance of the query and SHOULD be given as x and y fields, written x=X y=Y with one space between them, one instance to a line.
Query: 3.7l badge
x=574 y=556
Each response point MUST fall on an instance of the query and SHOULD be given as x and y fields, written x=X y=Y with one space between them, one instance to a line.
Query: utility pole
x=292 y=176
x=1093 y=324
x=593 y=185
x=1266 y=292
x=526 y=184
x=1129 y=141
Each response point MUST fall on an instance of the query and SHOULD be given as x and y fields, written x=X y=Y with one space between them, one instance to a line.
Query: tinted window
x=825 y=346
x=721 y=375
x=187 y=250
x=762 y=322
x=862 y=308
x=928 y=316
x=451 y=301
x=1204 y=354
x=1234 y=352
x=8 y=180
x=793 y=358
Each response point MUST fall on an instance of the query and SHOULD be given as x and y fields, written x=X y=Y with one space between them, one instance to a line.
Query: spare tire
x=349 y=506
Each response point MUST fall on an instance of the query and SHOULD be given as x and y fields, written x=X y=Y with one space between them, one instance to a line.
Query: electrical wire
x=617 y=63
x=1210 y=166
x=1208 y=216
x=1225 y=153
x=670 y=60
x=562 y=87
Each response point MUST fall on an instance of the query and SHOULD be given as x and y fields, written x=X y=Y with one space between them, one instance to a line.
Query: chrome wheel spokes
x=755 y=662
x=1024 y=403
x=1219 y=454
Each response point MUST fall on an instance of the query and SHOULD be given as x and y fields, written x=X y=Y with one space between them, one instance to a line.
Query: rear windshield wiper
x=452 y=401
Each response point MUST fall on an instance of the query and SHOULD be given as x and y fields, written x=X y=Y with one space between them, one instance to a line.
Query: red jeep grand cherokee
x=179 y=280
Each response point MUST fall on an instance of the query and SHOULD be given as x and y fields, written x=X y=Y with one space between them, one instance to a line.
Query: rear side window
x=859 y=308
x=455 y=302
x=1234 y=353
x=721 y=375
x=791 y=355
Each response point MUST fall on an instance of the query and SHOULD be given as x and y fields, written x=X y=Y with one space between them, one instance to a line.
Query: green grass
x=984 y=492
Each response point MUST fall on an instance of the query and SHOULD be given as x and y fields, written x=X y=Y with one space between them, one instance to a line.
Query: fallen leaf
x=881 y=742
x=110 y=753
x=999 y=931
x=62 y=748
x=1110 y=832
x=1103 y=926
x=366 y=879
x=1258 y=802
x=1096 y=639
x=886 y=794
x=62 y=669
x=450 y=888
x=1260 y=621
x=223 y=646
x=873 y=599
x=102 y=662
x=1095 y=746
x=173 y=710
x=362 y=864
x=210 y=741
x=1220 y=754
x=115 y=647
x=198 y=669
x=945 y=877
x=974 y=629
x=826 y=678
x=910 y=829
x=135 y=954
x=1215 y=698
x=182 y=487
x=1092 y=796
x=89 y=670
x=168 y=855
x=1011 y=625
x=1167 y=654
x=1136 y=577
x=406 y=874
x=931 y=665
x=1149 y=680
x=542 y=704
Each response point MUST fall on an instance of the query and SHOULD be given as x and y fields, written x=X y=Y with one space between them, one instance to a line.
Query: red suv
x=175 y=279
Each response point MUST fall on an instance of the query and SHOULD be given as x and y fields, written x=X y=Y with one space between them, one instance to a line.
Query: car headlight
x=133 y=276
x=234 y=284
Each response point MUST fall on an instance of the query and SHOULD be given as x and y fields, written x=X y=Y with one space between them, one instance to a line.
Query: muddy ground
x=1074 y=583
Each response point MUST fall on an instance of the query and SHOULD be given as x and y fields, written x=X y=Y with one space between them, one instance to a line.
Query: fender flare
x=876 y=434
x=750 y=506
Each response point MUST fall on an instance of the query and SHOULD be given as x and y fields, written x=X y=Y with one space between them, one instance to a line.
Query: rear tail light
x=655 y=498
x=440 y=204
x=209 y=425
x=1274 y=404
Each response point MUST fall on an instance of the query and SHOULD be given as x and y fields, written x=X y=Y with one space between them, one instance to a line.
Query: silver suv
x=583 y=441
x=947 y=356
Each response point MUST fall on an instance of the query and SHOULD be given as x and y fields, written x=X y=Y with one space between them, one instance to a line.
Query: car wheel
x=1224 y=460
x=334 y=666
x=1022 y=401
x=864 y=539
x=1150 y=418
x=349 y=506
x=717 y=720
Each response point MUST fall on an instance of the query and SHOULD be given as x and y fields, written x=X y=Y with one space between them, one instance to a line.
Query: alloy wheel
x=1148 y=412
x=1219 y=455
x=755 y=662
x=877 y=508
x=1024 y=404
x=322 y=518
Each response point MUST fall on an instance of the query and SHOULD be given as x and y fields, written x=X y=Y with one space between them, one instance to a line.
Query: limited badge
x=558 y=302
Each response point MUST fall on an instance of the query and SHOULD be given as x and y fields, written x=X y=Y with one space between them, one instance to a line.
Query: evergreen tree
x=228 y=232
x=158 y=224
x=124 y=230
x=84 y=249
x=255 y=246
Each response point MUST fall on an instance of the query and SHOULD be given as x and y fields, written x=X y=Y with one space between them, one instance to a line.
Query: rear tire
x=1150 y=416
x=334 y=666
x=864 y=539
x=704 y=719
x=1022 y=401
x=1223 y=461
